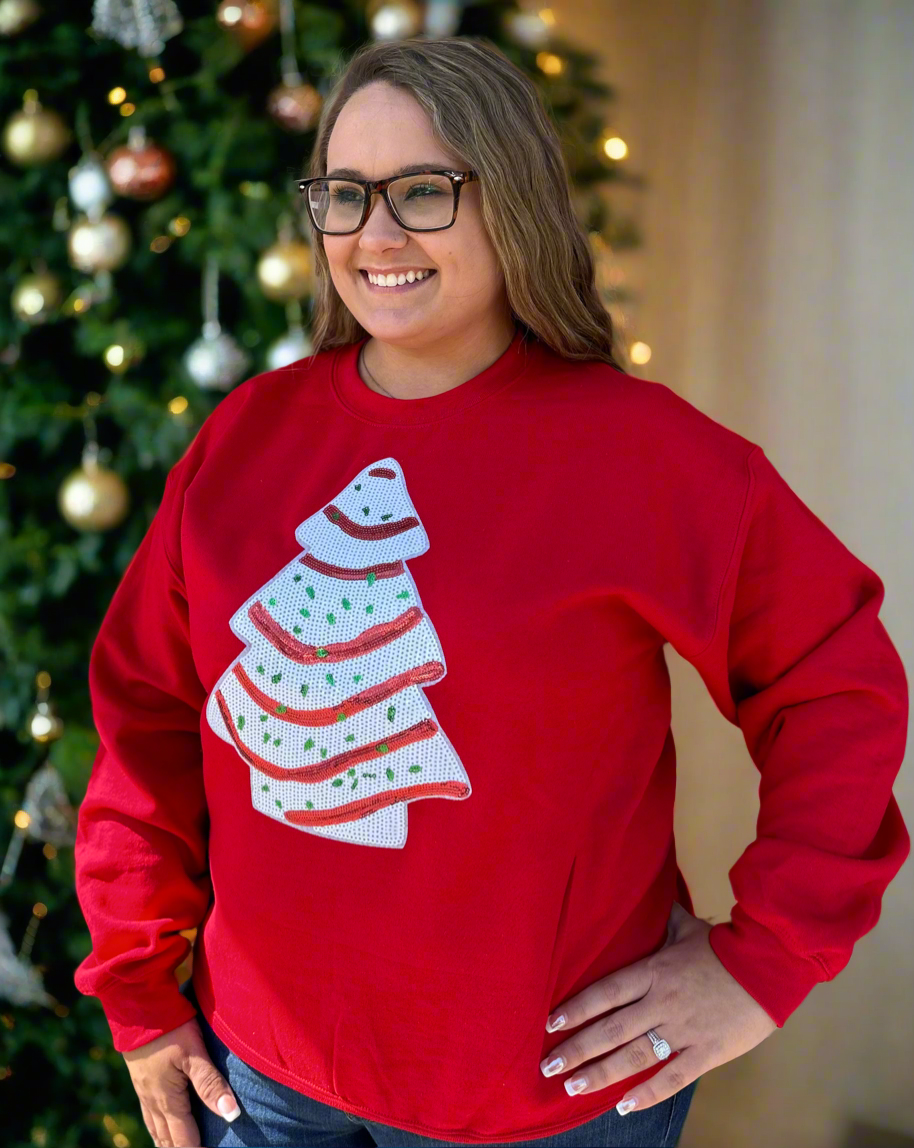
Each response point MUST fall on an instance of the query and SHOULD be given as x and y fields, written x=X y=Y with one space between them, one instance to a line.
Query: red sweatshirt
x=384 y=712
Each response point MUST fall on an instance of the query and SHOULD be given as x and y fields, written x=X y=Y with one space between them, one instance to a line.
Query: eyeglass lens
x=421 y=201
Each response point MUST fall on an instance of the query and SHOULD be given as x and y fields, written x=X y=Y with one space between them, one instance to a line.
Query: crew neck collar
x=359 y=399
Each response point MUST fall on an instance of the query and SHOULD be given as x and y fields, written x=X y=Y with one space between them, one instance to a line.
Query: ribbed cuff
x=138 y=1013
x=776 y=979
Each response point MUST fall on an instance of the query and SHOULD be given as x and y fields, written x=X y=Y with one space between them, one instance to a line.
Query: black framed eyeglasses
x=424 y=201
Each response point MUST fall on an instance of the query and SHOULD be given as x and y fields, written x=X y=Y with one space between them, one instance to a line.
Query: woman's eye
x=423 y=190
x=345 y=196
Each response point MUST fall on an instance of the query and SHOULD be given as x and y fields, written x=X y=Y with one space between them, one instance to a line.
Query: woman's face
x=381 y=129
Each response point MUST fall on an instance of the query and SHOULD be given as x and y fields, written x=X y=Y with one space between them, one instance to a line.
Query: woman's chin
x=392 y=327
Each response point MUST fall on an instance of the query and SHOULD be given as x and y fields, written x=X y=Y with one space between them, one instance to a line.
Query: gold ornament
x=16 y=15
x=36 y=297
x=295 y=107
x=35 y=135
x=100 y=245
x=141 y=169
x=249 y=21
x=44 y=723
x=394 y=19
x=93 y=497
x=284 y=271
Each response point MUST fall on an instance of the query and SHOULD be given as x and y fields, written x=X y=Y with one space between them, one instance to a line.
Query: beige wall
x=777 y=294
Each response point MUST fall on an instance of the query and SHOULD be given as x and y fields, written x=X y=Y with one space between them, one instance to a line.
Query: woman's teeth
x=397 y=280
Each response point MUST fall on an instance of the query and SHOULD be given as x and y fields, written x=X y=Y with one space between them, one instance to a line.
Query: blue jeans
x=275 y=1115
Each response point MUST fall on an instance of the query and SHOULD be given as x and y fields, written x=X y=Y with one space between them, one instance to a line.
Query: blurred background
x=743 y=171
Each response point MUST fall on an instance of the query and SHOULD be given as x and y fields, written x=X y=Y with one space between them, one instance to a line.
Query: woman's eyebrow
x=410 y=169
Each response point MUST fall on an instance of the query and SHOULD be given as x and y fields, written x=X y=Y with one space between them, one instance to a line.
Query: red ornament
x=249 y=21
x=295 y=107
x=141 y=169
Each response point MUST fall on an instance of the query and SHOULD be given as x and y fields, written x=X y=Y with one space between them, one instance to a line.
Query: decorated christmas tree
x=155 y=253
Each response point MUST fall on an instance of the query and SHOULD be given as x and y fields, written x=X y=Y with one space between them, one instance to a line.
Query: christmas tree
x=320 y=764
x=155 y=253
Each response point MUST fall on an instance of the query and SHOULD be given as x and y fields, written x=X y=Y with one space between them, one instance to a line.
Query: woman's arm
x=141 y=844
x=800 y=661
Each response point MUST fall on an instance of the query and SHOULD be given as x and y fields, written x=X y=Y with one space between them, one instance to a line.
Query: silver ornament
x=288 y=348
x=527 y=28
x=215 y=361
x=90 y=188
x=442 y=18
x=141 y=24
x=20 y=981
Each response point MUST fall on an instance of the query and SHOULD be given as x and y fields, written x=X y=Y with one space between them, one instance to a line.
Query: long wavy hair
x=487 y=112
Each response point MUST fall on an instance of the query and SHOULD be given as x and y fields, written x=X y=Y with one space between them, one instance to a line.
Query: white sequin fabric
x=327 y=702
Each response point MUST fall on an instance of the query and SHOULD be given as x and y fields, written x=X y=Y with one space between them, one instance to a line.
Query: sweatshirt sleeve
x=141 y=855
x=800 y=661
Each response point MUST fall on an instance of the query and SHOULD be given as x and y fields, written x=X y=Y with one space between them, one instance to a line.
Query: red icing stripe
x=355 y=703
x=366 y=805
x=306 y=654
x=368 y=533
x=381 y=472
x=330 y=767
x=352 y=573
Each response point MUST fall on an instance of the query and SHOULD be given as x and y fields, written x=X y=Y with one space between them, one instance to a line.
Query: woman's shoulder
x=654 y=419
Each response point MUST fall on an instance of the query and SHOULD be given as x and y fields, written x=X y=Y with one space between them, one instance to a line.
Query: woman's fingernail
x=228 y=1106
x=625 y=1106
x=555 y=1022
x=572 y=1087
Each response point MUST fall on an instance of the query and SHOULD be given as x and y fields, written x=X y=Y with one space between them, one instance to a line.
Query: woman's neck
x=415 y=373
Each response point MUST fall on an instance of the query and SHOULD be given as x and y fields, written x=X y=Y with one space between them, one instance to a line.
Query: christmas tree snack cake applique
x=326 y=704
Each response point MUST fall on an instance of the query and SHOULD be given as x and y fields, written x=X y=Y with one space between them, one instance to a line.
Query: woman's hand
x=160 y=1071
x=684 y=994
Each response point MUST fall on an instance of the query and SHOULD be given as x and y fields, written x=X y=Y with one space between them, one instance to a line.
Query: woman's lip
x=400 y=287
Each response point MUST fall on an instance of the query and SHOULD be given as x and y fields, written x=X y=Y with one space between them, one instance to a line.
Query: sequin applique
x=326 y=703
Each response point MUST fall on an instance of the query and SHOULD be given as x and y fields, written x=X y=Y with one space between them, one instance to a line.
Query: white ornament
x=527 y=28
x=141 y=24
x=288 y=348
x=215 y=361
x=442 y=18
x=327 y=705
x=20 y=982
x=90 y=188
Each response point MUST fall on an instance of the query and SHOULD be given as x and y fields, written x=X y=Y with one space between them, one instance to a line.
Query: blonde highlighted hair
x=486 y=111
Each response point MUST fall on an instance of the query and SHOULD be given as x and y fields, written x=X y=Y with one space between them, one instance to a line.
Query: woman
x=440 y=559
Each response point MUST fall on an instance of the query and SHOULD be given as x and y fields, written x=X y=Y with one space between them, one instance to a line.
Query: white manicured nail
x=228 y=1107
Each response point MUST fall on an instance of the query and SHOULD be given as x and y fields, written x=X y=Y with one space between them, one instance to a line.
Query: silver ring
x=661 y=1048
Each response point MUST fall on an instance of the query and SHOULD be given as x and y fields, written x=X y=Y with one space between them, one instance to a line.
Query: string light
x=615 y=148
x=549 y=63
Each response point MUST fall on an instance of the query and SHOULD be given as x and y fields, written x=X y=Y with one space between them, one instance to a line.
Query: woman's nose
x=380 y=222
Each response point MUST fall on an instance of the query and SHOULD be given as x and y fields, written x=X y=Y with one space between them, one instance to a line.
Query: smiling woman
x=439 y=156
x=428 y=807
